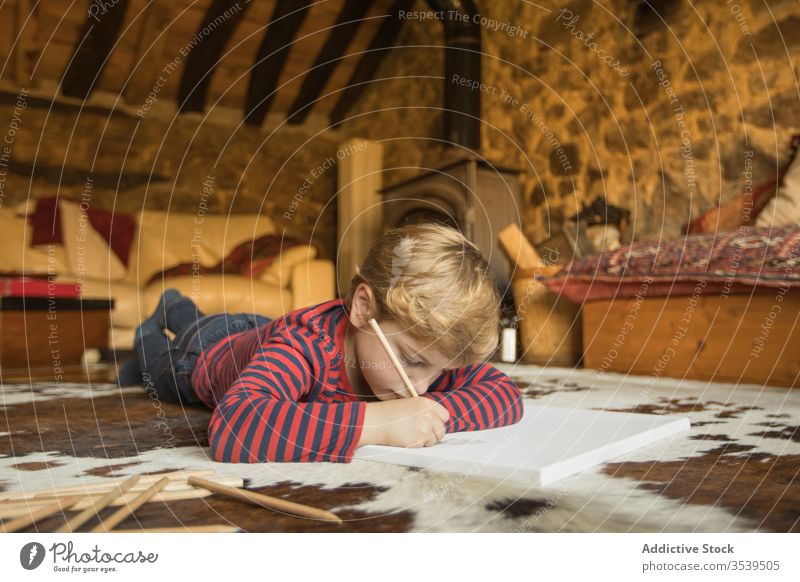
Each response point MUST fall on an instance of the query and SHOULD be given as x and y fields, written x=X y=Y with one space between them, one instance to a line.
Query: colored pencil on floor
x=266 y=500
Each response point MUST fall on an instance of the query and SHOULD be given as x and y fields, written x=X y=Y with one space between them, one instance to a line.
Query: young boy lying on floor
x=316 y=383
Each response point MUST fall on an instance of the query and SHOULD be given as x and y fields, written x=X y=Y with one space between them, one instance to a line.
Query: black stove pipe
x=462 y=39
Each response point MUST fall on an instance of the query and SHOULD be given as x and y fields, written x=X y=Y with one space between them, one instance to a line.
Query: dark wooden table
x=44 y=337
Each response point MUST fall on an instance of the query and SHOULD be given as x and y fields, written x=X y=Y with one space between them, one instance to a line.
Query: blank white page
x=548 y=444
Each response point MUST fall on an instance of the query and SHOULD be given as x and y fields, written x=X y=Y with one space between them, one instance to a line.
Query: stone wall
x=666 y=115
x=129 y=163
x=402 y=106
x=574 y=96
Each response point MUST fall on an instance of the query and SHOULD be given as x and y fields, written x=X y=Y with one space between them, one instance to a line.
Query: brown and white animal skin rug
x=736 y=470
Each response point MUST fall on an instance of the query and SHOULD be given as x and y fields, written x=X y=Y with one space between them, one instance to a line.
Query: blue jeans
x=167 y=365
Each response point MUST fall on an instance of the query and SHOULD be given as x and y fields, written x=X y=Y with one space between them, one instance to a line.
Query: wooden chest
x=734 y=338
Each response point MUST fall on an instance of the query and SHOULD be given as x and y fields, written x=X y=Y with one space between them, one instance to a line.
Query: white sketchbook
x=548 y=444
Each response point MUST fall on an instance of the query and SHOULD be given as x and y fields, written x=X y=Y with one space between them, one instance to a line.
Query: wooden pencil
x=178 y=478
x=89 y=512
x=185 y=529
x=393 y=357
x=47 y=511
x=266 y=500
x=123 y=512
x=8 y=510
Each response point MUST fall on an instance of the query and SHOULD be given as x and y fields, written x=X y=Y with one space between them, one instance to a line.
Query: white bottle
x=509 y=344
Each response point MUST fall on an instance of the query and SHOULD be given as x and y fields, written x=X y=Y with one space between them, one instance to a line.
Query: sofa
x=294 y=278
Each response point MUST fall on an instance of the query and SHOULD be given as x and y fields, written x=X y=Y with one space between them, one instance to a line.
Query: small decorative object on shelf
x=508 y=338
x=603 y=223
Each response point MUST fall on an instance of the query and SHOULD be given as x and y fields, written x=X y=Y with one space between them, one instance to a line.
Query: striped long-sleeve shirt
x=280 y=392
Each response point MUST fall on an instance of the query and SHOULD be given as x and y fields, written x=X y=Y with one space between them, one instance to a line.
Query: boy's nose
x=421 y=386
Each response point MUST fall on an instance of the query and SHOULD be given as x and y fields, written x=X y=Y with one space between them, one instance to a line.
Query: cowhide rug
x=736 y=470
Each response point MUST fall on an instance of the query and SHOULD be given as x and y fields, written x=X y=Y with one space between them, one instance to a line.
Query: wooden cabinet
x=50 y=333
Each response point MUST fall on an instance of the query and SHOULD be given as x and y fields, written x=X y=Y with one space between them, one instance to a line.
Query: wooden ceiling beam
x=23 y=41
x=205 y=51
x=287 y=18
x=341 y=33
x=368 y=66
x=148 y=48
x=94 y=45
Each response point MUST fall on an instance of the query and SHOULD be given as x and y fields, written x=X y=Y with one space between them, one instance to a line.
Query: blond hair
x=436 y=284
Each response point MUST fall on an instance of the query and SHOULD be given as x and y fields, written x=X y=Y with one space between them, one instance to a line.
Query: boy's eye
x=411 y=362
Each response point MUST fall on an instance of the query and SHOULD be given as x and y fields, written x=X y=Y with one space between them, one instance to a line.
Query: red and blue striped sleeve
x=478 y=396
x=261 y=418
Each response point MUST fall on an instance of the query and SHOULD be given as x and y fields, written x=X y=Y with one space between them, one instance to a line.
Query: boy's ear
x=363 y=306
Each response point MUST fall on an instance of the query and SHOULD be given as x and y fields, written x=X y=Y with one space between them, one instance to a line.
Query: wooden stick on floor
x=266 y=500
x=26 y=520
x=185 y=529
x=123 y=512
x=178 y=479
x=87 y=513
x=19 y=508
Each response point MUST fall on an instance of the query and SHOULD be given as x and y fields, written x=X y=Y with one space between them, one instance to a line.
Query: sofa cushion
x=89 y=254
x=16 y=254
x=219 y=293
x=166 y=239
x=222 y=233
x=745 y=260
x=249 y=258
x=279 y=271
x=115 y=228
x=784 y=207
x=740 y=210
x=756 y=206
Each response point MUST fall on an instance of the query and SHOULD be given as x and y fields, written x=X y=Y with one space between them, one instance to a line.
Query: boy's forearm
x=492 y=401
x=372 y=431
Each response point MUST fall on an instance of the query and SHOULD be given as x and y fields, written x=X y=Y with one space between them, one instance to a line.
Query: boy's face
x=365 y=355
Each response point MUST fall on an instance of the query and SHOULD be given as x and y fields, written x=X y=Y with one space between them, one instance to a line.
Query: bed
x=720 y=303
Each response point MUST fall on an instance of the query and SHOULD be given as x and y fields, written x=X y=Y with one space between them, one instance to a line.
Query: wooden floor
x=98 y=373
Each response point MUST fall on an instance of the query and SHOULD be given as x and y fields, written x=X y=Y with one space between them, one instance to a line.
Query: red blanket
x=250 y=259
x=117 y=229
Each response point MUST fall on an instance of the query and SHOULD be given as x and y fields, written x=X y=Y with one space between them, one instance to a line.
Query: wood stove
x=462 y=189
x=465 y=192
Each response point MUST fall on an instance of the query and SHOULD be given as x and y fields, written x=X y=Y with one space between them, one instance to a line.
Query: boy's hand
x=406 y=422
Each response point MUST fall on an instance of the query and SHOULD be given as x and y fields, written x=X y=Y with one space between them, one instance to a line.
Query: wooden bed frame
x=735 y=338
